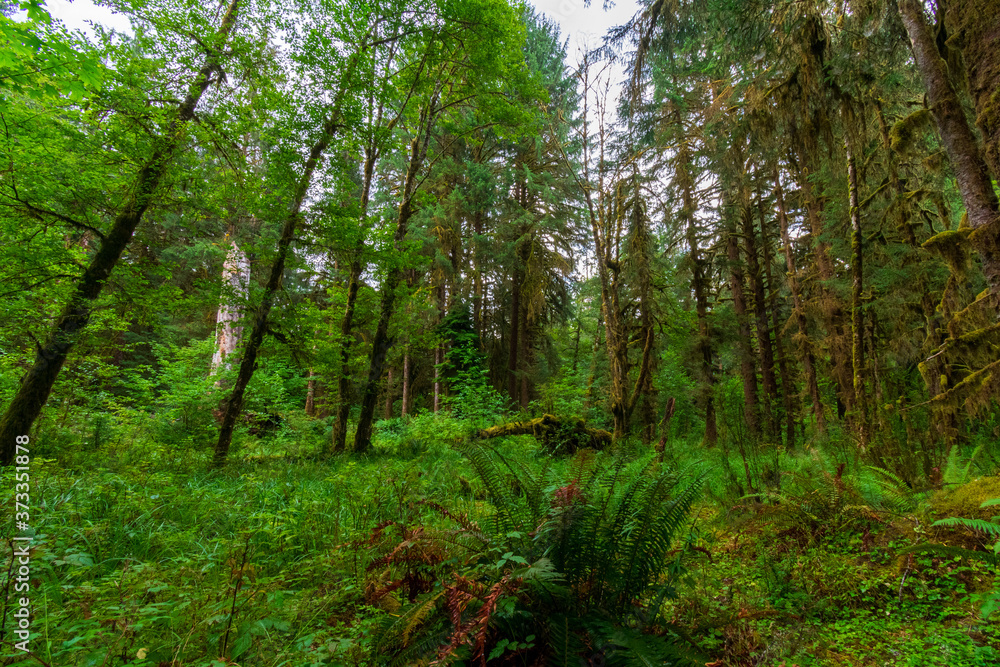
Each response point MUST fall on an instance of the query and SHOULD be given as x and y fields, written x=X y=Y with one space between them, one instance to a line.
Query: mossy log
x=557 y=434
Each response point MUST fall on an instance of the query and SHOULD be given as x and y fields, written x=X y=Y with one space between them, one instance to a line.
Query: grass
x=150 y=560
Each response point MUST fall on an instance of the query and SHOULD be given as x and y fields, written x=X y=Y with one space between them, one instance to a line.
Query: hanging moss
x=905 y=134
x=953 y=246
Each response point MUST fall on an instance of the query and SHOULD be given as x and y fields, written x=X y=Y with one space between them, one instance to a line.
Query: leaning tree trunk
x=50 y=356
x=973 y=177
x=228 y=332
x=234 y=406
x=382 y=341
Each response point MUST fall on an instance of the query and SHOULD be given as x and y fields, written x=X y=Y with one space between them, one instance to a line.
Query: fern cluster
x=825 y=503
x=573 y=566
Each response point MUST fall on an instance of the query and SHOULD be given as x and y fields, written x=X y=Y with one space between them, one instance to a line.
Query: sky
x=585 y=26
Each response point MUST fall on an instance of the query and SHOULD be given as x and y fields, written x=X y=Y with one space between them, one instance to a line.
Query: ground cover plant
x=420 y=332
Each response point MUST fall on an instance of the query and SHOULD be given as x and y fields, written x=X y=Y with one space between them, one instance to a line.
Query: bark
x=787 y=395
x=857 y=316
x=311 y=394
x=976 y=29
x=967 y=161
x=339 y=439
x=388 y=395
x=769 y=382
x=515 y=330
x=831 y=309
x=382 y=341
x=36 y=385
x=700 y=285
x=525 y=394
x=477 y=276
x=805 y=346
x=748 y=370
x=228 y=332
x=438 y=360
x=234 y=405
x=405 y=407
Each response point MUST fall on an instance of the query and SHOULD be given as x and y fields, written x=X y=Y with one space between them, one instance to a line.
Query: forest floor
x=152 y=560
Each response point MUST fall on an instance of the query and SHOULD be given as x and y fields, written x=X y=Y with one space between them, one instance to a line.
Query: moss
x=965 y=500
x=905 y=134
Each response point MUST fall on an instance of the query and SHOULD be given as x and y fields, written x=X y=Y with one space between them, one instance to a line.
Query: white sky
x=585 y=26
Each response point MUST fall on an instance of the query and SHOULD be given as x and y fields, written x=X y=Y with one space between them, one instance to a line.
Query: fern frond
x=972 y=524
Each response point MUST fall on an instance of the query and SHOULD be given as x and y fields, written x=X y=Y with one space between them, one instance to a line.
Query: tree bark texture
x=382 y=341
x=50 y=356
x=769 y=382
x=228 y=332
x=234 y=405
x=804 y=343
x=970 y=169
x=748 y=370
x=859 y=365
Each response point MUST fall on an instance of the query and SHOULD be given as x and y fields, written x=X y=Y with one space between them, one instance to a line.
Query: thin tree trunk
x=234 y=405
x=699 y=282
x=515 y=330
x=405 y=407
x=339 y=439
x=804 y=344
x=857 y=316
x=228 y=333
x=388 y=395
x=525 y=361
x=769 y=382
x=973 y=177
x=748 y=370
x=36 y=385
x=831 y=309
x=477 y=288
x=438 y=360
x=787 y=394
x=311 y=394
x=382 y=342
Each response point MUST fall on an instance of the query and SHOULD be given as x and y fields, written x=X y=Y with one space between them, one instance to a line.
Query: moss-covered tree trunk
x=748 y=369
x=858 y=361
x=36 y=385
x=769 y=381
x=701 y=287
x=976 y=28
x=803 y=340
x=974 y=182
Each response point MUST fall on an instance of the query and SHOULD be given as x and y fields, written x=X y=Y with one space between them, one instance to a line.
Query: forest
x=406 y=332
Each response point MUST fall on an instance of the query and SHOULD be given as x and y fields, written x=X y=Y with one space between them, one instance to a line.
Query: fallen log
x=557 y=434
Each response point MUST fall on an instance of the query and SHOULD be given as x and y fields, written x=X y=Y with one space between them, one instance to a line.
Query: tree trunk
x=700 y=285
x=36 y=385
x=787 y=394
x=973 y=177
x=769 y=382
x=748 y=370
x=975 y=25
x=524 y=356
x=515 y=330
x=311 y=394
x=857 y=316
x=234 y=406
x=228 y=332
x=382 y=342
x=388 y=395
x=404 y=409
x=339 y=439
x=804 y=343
x=830 y=307
x=438 y=360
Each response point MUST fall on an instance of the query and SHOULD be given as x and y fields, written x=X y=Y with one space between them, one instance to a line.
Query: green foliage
x=568 y=556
